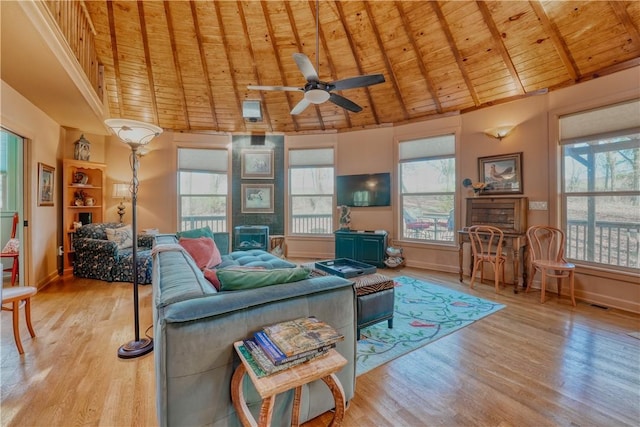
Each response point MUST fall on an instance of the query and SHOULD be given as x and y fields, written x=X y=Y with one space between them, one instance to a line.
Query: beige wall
x=43 y=135
x=372 y=150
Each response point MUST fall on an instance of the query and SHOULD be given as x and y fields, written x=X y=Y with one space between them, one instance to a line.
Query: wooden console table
x=509 y=214
x=320 y=368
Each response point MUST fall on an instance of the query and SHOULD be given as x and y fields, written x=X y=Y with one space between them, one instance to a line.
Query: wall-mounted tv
x=364 y=190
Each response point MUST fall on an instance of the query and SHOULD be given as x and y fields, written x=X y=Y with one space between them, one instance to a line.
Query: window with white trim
x=601 y=185
x=203 y=189
x=311 y=191
x=427 y=172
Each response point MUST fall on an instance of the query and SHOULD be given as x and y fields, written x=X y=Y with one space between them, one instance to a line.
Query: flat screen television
x=364 y=190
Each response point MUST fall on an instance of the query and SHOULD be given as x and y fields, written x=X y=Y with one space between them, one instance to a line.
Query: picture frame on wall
x=257 y=198
x=501 y=174
x=257 y=164
x=46 y=176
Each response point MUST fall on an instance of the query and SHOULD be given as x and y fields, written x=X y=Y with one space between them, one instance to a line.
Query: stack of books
x=283 y=345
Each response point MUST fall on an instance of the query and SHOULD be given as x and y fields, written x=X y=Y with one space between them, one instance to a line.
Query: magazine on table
x=298 y=336
x=266 y=365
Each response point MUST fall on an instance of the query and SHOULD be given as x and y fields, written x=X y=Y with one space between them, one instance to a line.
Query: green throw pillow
x=236 y=280
x=196 y=233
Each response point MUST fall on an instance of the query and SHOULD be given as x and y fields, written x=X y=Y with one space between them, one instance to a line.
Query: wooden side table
x=320 y=368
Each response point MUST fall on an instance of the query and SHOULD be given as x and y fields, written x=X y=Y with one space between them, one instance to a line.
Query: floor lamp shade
x=135 y=134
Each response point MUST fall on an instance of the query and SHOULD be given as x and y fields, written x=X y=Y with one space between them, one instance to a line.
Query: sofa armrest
x=106 y=247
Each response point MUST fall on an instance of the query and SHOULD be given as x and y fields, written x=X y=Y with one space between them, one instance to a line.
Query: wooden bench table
x=320 y=368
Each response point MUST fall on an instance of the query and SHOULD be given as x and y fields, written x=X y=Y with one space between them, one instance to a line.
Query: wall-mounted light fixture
x=499 y=132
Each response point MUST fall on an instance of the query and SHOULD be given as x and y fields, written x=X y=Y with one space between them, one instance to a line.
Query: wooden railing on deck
x=77 y=28
x=612 y=243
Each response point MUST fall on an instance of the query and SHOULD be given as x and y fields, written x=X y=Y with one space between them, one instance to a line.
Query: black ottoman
x=375 y=297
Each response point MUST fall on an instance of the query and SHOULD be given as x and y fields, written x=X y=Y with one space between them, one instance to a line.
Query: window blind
x=441 y=145
x=201 y=159
x=601 y=123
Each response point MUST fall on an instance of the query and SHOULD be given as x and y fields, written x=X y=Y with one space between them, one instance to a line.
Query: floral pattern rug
x=424 y=312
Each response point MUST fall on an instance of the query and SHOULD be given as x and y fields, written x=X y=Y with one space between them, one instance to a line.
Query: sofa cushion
x=203 y=250
x=96 y=230
x=122 y=236
x=232 y=279
x=195 y=233
x=12 y=247
x=211 y=275
x=253 y=258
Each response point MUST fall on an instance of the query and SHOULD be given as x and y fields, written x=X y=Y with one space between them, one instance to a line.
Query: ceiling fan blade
x=287 y=88
x=360 y=81
x=300 y=107
x=345 y=103
x=306 y=67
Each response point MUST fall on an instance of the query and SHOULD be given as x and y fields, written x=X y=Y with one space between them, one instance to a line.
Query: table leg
x=516 y=268
x=266 y=411
x=295 y=412
x=338 y=396
x=460 y=257
x=237 y=397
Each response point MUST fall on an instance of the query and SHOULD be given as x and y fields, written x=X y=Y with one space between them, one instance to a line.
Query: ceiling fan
x=317 y=91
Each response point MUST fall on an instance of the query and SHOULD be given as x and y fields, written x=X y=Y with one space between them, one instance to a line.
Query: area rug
x=424 y=312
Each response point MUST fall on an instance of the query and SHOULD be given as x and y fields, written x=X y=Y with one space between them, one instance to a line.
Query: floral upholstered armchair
x=104 y=251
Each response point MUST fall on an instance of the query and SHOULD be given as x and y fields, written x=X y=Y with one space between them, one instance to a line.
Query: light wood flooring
x=527 y=365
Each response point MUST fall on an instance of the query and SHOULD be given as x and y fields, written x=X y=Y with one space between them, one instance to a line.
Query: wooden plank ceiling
x=185 y=65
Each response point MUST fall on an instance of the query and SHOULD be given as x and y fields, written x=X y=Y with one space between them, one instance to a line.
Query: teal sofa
x=195 y=328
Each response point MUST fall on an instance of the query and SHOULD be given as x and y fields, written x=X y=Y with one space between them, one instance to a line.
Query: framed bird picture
x=501 y=174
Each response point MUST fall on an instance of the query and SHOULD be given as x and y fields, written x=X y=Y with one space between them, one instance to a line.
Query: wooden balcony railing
x=312 y=224
x=217 y=223
x=76 y=26
x=606 y=242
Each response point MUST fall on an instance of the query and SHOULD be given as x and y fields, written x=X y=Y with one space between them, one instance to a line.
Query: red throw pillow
x=211 y=275
x=203 y=250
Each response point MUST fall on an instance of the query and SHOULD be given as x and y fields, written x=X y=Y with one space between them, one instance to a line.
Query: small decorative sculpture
x=345 y=217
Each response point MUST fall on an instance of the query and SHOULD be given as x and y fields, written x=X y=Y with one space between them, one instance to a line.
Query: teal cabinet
x=364 y=246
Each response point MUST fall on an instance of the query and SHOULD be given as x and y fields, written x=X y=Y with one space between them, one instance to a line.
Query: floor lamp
x=136 y=135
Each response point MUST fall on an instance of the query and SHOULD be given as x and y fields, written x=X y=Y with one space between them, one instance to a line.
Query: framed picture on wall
x=257 y=164
x=257 y=198
x=501 y=174
x=46 y=175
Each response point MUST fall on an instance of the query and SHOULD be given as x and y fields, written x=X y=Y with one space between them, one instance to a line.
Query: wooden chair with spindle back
x=486 y=246
x=546 y=254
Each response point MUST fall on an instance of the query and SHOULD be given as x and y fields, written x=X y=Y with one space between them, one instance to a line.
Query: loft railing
x=610 y=243
x=76 y=26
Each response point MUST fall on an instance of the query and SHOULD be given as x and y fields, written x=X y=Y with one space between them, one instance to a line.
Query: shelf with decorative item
x=83 y=197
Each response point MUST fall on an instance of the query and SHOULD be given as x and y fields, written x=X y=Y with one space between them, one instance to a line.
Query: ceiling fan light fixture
x=317 y=96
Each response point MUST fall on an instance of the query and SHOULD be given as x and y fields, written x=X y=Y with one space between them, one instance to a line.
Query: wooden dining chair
x=12 y=250
x=15 y=296
x=486 y=246
x=546 y=255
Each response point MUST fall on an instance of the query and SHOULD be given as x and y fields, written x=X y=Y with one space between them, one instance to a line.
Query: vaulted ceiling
x=186 y=65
